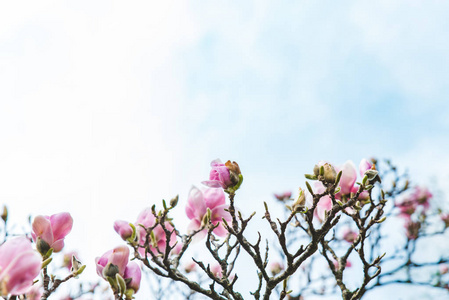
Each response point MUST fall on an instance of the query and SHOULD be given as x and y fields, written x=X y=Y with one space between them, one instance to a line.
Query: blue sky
x=110 y=103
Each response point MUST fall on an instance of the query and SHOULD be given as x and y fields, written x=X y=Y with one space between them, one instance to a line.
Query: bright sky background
x=106 y=107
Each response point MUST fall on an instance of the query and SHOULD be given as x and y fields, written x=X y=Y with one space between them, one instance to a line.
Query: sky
x=107 y=107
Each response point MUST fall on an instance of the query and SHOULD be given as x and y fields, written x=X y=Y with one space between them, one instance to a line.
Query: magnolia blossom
x=216 y=270
x=445 y=218
x=283 y=196
x=275 y=268
x=223 y=175
x=19 y=266
x=116 y=262
x=412 y=229
x=190 y=266
x=49 y=232
x=147 y=219
x=422 y=195
x=197 y=205
x=348 y=179
x=35 y=292
x=419 y=197
x=324 y=204
x=337 y=264
x=349 y=235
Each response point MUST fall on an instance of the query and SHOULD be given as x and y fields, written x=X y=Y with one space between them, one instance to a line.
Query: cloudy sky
x=106 y=107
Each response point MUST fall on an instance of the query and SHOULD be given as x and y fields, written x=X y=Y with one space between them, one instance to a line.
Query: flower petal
x=61 y=224
x=42 y=228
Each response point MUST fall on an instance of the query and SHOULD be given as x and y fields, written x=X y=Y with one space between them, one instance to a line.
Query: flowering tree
x=339 y=222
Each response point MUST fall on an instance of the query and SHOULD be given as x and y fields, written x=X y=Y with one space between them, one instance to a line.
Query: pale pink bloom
x=219 y=175
x=348 y=177
x=116 y=261
x=412 y=229
x=197 y=205
x=422 y=196
x=52 y=230
x=349 y=235
x=406 y=207
x=216 y=270
x=337 y=265
x=275 y=268
x=324 y=204
x=19 y=266
x=123 y=229
x=67 y=259
x=283 y=196
x=364 y=166
x=348 y=187
x=444 y=269
x=445 y=218
x=35 y=292
x=147 y=219
x=190 y=267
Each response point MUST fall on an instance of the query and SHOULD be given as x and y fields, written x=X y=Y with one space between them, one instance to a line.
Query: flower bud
x=234 y=171
x=4 y=215
x=110 y=270
x=276 y=268
x=300 y=200
x=329 y=173
x=123 y=229
x=42 y=246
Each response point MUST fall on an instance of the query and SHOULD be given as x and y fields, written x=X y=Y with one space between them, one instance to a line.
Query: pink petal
x=219 y=213
x=348 y=177
x=57 y=245
x=22 y=271
x=364 y=166
x=216 y=162
x=213 y=183
x=133 y=271
x=101 y=262
x=214 y=197
x=196 y=206
x=123 y=229
x=146 y=218
x=119 y=257
x=20 y=264
x=42 y=228
x=220 y=230
x=61 y=224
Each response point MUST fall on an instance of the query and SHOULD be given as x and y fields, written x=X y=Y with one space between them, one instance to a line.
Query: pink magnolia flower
x=216 y=270
x=422 y=195
x=190 y=267
x=19 y=265
x=197 y=205
x=35 y=292
x=223 y=175
x=444 y=268
x=324 y=204
x=348 y=179
x=283 y=196
x=364 y=166
x=337 y=264
x=123 y=229
x=147 y=219
x=52 y=231
x=116 y=262
x=67 y=259
x=276 y=268
x=445 y=218
x=349 y=235
x=412 y=229
x=406 y=207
